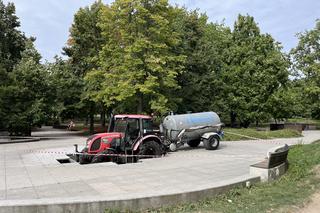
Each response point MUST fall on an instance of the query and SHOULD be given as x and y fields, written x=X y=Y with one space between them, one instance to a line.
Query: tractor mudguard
x=145 y=138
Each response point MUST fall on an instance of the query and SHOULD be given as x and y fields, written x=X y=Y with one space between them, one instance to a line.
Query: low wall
x=99 y=205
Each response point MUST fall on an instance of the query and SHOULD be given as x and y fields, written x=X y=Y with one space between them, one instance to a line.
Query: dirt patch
x=313 y=206
x=316 y=171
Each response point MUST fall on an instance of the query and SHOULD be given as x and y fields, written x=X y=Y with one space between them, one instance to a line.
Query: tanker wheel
x=194 y=143
x=83 y=157
x=150 y=148
x=103 y=156
x=212 y=142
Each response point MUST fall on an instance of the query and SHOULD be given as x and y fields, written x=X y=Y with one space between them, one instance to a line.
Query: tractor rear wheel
x=150 y=148
x=212 y=142
x=194 y=143
x=103 y=156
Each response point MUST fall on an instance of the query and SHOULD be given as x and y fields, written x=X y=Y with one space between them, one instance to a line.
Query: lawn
x=305 y=121
x=232 y=134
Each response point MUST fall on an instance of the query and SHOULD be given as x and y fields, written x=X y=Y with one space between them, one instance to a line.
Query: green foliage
x=83 y=48
x=306 y=58
x=278 y=102
x=25 y=96
x=64 y=91
x=12 y=41
x=138 y=61
x=85 y=39
x=256 y=70
x=204 y=45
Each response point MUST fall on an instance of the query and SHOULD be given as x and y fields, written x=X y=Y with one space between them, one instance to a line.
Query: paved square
x=29 y=172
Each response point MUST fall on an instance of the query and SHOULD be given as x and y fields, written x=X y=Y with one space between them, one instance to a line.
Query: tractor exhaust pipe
x=76 y=148
x=76 y=152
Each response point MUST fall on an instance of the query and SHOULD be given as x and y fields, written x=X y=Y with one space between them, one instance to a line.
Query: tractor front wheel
x=104 y=156
x=83 y=157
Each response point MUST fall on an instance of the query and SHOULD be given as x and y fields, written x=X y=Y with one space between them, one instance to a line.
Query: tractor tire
x=212 y=143
x=150 y=148
x=103 y=158
x=194 y=143
x=83 y=158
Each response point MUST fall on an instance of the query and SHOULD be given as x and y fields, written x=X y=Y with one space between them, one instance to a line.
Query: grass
x=290 y=191
x=232 y=134
x=304 y=120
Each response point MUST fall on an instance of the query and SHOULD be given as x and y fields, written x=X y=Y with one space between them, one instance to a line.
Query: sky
x=50 y=20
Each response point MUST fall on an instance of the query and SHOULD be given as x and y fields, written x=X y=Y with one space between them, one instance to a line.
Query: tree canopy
x=306 y=58
x=147 y=56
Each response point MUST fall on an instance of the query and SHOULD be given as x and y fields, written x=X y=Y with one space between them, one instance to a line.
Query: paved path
x=30 y=176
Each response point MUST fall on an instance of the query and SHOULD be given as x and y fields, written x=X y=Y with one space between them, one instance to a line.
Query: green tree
x=64 y=91
x=84 y=44
x=306 y=59
x=25 y=96
x=285 y=103
x=191 y=27
x=256 y=70
x=12 y=42
x=138 y=61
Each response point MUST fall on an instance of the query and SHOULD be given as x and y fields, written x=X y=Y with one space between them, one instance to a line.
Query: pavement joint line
x=29 y=176
x=5 y=174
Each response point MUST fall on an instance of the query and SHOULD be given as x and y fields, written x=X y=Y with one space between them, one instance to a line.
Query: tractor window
x=122 y=124
x=95 y=145
x=133 y=128
x=147 y=125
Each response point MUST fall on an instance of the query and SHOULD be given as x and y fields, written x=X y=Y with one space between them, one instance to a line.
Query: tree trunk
x=91 y=130
x=245 y=123
x=103 y=117
x=86 y=121
x=140 y=103
x=233 y=117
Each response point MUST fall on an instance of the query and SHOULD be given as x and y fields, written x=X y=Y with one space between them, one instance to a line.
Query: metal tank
x=173 y=124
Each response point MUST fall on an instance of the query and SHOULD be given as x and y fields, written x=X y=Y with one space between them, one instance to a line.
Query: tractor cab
x=131 y=126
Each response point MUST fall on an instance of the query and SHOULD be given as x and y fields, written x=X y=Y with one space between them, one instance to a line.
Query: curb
x=22 y=140
x=94 y=204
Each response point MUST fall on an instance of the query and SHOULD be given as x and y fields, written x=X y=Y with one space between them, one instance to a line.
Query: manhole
x=64 y=160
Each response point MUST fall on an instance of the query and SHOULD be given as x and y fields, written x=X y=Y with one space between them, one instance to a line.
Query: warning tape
x=246 y=136
x=154 y=156
x=90 y=154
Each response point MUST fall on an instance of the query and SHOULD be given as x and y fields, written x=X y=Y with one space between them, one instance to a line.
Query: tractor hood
x=107 y=135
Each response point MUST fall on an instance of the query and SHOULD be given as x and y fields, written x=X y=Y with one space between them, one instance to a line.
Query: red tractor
x=127 y=135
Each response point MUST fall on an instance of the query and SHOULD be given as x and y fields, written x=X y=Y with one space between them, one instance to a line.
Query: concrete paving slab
x=25 y=192
x=51 y=191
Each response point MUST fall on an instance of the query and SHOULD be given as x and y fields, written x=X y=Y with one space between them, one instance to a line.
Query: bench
x=273 y=166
